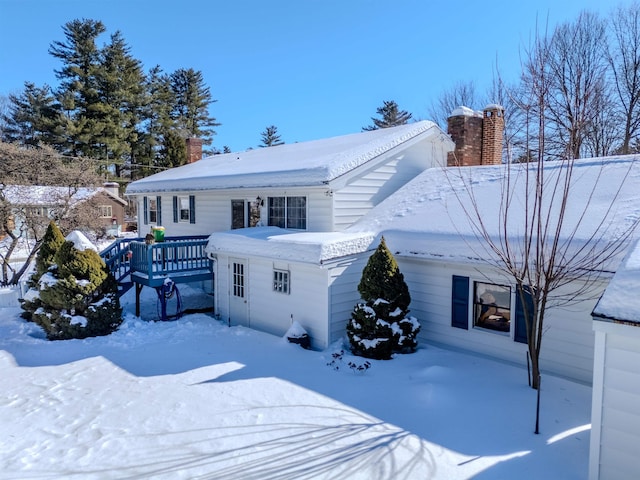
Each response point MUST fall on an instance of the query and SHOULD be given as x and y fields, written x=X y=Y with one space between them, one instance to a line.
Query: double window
x=288 y=212
x=105 y=211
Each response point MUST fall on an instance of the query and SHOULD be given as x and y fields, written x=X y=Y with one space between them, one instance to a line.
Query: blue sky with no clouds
x=313 y=68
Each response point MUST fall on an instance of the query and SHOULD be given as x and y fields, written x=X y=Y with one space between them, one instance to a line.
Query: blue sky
x=313 y=68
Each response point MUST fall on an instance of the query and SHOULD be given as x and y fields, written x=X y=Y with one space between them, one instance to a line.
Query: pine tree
x=270 y=137
x=391 y=116
x=190 y=105
x=380 y=326
x=78 y=296
x=33 y=117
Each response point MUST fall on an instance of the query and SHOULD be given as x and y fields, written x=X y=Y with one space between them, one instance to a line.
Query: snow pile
x=618 y=302
x=278 y=243
x=196 y=399
x=80 y=241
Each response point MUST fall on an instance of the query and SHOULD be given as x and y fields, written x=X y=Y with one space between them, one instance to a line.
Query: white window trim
x=282 y=285
x=471 y=313
x=182 y=198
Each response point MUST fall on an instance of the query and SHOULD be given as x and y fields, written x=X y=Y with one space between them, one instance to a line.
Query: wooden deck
x=180 y=259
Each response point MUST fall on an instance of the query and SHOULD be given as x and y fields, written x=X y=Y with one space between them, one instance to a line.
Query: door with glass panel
x=238 y=292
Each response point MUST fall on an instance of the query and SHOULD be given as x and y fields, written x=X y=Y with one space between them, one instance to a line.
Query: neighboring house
x=615 y=411
x=48 y=202
x=324 y=185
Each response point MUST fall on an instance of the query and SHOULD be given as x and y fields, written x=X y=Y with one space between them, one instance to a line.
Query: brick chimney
x=477 y=136
x=194 y=149
x=492 y=134
x=465 y=128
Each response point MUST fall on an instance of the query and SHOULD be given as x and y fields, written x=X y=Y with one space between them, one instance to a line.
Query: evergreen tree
x=78 y=92
x=380 y=326
x=33 y=117
x=391 y=115
x=51 y=243
x=190 y=105
x=77 y=296
x=270 y=137
x=174 y=150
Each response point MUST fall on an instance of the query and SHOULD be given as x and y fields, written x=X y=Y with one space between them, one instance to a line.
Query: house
x=49 y=202
x=268 y=277
x=615 y=411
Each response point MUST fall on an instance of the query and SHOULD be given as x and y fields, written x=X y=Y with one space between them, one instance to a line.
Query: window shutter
x=159 y=207
x=146 y=210
x=460 y=302
x=520 y=334
x=192 y=209
x=175 y=209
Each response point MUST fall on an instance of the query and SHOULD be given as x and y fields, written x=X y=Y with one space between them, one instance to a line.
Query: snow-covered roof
x=281 y=244
x=297 y=164
x=620 y=300
x=427 y=216
x=45 y=195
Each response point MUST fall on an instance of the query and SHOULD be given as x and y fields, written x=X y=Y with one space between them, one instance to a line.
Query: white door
x=238 y=292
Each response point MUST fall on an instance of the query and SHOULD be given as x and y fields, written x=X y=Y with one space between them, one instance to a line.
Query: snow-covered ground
x=194 y=398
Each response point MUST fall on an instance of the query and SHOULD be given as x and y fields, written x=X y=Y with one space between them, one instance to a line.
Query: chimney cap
x=463 y=111
x=494 y=106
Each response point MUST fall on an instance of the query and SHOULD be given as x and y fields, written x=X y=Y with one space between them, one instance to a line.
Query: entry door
x=238 y=292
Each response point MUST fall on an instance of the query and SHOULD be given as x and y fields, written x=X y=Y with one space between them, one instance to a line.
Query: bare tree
x=22 y=222
x=624 y=59
x=459 y=94
x=577 y=66
x=545 y=240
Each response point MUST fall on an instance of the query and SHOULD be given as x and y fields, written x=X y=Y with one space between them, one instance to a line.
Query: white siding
x=213 y=209
x=615 y=440
x=366 y=189
x=343 y=294
x=567 y=347
x=271 y=311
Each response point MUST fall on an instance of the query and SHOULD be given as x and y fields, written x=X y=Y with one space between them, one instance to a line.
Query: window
x=153 y=210
x=492 y=306
x=38 y=211
x=281 y=281
x=237 y=214
x=105 y=211
x=238 y=280
x=184 y=209
x=288 y=212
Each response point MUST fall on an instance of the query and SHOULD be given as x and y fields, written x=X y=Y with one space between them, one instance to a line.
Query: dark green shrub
x=381 y=326
x=78 y=297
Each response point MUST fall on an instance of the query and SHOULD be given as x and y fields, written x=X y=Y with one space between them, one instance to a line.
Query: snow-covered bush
x=51 y=243
x=76 y=297
x=380 y=326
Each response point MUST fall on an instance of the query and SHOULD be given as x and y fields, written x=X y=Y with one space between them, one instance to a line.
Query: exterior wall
x=615 y=411
x=344 y=278
x=567 y=348
x=366 y=189
x=273 y=312
x=213 y=209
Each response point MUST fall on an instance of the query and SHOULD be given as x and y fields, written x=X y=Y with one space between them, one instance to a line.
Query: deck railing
x=177 y=257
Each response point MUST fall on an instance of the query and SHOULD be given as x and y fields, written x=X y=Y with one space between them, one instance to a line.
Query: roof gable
x=297 y=164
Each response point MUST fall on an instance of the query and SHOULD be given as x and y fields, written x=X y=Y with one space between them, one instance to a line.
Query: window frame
x=152 y=210
x=281 y=281
x=496 y=314
x=284 y=212
x=106 y=208
x=181 y=209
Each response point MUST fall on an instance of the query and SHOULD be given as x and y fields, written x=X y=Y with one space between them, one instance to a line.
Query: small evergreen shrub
x=380 y=326
x=51 y=243
x=77 y=297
